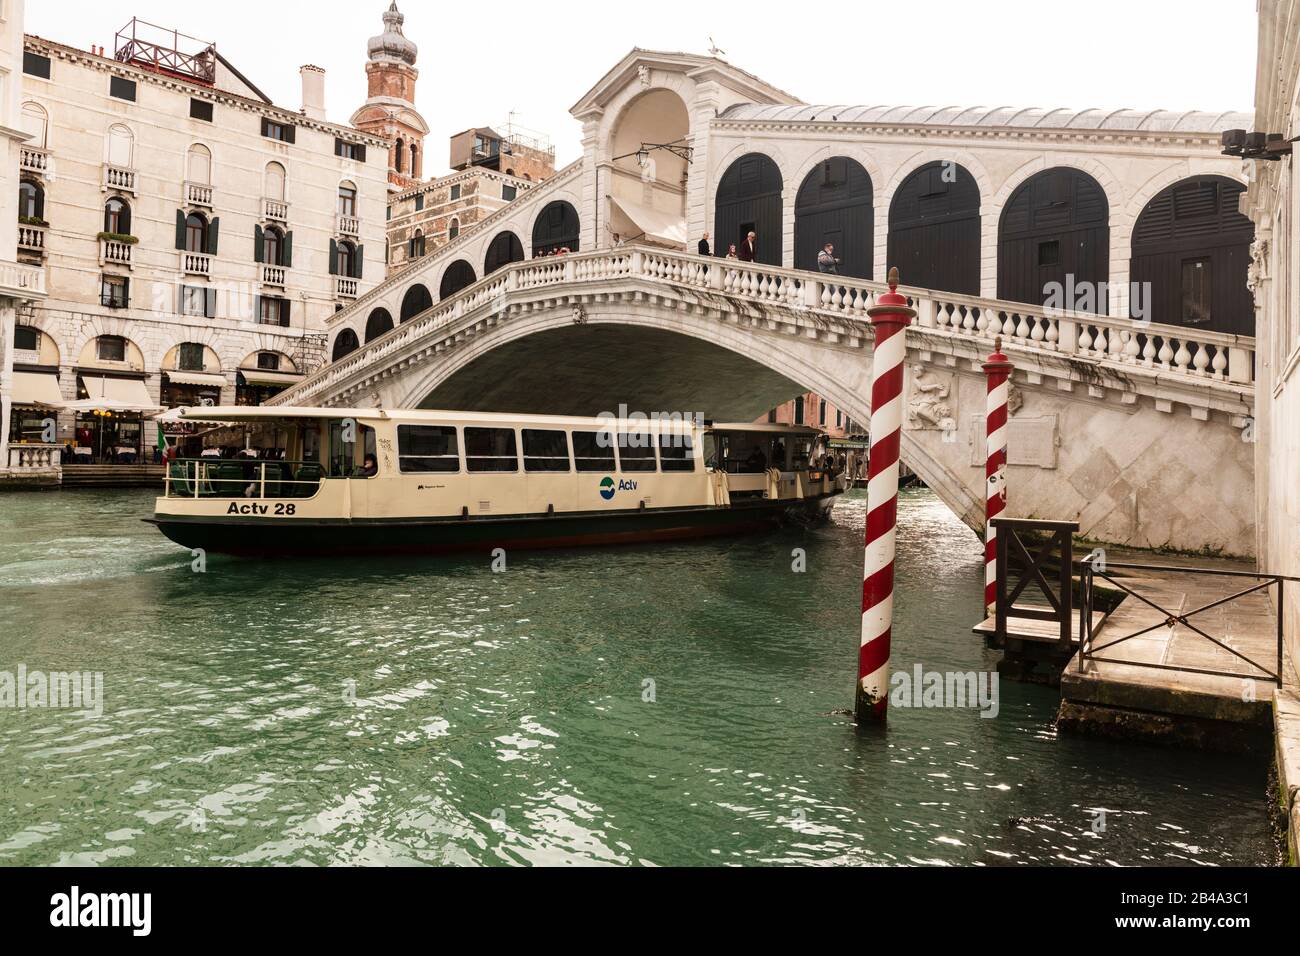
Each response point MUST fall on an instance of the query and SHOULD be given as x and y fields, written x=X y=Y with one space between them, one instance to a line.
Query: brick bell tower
x=390 y=110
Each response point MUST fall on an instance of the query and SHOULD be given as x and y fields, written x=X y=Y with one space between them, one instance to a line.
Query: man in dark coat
x=748 y=251
x=704 y=246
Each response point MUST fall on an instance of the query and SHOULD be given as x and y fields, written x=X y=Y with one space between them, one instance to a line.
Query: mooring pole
x=889 y=317
x=998 y=370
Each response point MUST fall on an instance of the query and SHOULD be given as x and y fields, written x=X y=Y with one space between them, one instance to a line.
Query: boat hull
x=255 y=537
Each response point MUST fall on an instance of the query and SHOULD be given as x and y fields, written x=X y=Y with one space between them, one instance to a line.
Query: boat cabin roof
x=253 y=414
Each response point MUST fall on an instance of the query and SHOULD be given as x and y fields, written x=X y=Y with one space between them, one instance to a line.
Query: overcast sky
x=481 y=61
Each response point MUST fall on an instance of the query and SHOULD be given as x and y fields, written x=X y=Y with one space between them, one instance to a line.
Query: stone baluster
x=925 y=313
x=1240 y=364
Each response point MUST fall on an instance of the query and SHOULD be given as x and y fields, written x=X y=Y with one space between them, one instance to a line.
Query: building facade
x=1273 y=202
x=526 y=156
x=389 y=111
x=195 y=237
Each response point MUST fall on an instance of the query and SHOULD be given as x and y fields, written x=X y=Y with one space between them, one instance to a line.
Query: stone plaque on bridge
x=1030 y=441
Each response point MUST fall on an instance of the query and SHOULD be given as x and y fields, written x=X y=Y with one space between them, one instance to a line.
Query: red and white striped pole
x=998 y=369
x=889 y=317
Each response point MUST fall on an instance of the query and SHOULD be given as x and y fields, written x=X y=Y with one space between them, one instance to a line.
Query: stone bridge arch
x=653 y=357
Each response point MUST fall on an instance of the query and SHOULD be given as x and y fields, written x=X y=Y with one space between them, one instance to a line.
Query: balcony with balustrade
x=31 y=239
x=115 y=252
x=277 y=276
x=196 y=264
x=22 y=281
x=33 y=160
x=349 y=226
x=198 y=194
x=275 y=210
x=345 y=288
x=120 y=178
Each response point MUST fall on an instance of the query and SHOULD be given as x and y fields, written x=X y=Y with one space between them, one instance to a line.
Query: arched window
x=36 y=122
x=556 y=228
x=196 y=233
x=121 y=146
x=417 y=245
x=117 y=216
x=1191 y=252
x=934 y=229
x=31 y=200
x=344 y=342
x=1054 y=233
x=398 y=152
x=459 y=275
x=378 y=323
x=198 y=165
x=273 y=246
x=347 y=199
x=749 y=200
x=505 y=248
x=275 y=182
x=415 y=160
x=347 y=258
x=453 y=230
x=416 y=300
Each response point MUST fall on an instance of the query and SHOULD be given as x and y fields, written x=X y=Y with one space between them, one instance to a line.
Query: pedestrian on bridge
x=704 y=246
x=749 y=248
x=826 y=261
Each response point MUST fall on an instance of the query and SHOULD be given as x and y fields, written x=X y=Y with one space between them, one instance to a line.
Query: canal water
x=668 y=705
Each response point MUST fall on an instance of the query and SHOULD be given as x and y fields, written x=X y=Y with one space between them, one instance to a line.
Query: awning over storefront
x=37 y=388
x=254 y=376
x=113 y=395
x=195 y=378
x=655 y=225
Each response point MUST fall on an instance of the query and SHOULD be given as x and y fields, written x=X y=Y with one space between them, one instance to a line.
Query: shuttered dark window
x=122 y=89
x=201 y=110
x=283 y=132
x=353 y=151
x=36 y=65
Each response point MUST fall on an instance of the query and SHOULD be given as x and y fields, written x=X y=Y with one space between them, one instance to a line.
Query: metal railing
x=1053 y=554
x=247 y=478
x=1093 y=567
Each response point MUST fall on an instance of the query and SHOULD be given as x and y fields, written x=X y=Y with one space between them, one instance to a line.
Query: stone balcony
x=275 y=210
x=33 y=160
x=21 y=281
x=349 y=226
x=196 y=264
x=32 y=238
x=198 y=194
x=119 y=178
x=275 y=276
x=345 y=288
x=114 y=252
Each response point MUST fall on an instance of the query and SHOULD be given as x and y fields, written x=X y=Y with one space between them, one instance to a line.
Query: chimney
x=313 y=92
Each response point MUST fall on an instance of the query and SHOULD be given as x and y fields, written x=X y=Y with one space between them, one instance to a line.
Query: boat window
x=676 y=453
x=427 y=448
x=590 y=453
x=491 y=449
x=545 y=450
x=636 y=451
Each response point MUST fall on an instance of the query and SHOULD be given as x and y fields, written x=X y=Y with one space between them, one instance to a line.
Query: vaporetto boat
x=315 y=481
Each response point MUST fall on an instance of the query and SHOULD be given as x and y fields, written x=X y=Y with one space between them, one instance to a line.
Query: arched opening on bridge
x=504 y=249
x=934 y=229
x=556 y=228
x=1056 y=224
x=344 y=343
x=642 y=192
x=459 y=275
x=416 y=300
x=835 y=205
x=380 y=321
x=749 y=200
x=1192 y=245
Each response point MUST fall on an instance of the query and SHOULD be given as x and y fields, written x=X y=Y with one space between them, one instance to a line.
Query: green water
x=650 y=705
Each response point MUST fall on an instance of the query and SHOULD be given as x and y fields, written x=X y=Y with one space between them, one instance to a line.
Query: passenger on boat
x=756 y=461
x=369 y=468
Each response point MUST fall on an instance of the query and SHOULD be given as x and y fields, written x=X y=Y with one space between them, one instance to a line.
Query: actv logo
x=607 y=488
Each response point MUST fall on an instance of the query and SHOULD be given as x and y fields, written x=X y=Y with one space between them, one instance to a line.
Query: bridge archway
x=459 y=275
x=749 y=199
x=556 y=227
x=645 y=195
x=934 y=229
x=1192 y=245
x=416 y=300
x=504 y=249
x=1056 y=224
x=344 y=344
x=835 y=204
x=379 y=322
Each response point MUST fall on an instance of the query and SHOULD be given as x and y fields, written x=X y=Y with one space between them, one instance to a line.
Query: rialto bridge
x=1140 y=426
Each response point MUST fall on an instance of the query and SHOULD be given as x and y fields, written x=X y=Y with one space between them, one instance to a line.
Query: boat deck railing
x=242 y=478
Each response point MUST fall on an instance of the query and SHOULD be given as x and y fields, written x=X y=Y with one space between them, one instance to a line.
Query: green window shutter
x=211 y=310
x=334 y=257
x=180 y=229
x=290 y=134
x=213 y=232
x=359 y=262
x=284 y=312
x=258 y=243
x=257 y=308
x=361 y=153
x=288 y=250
